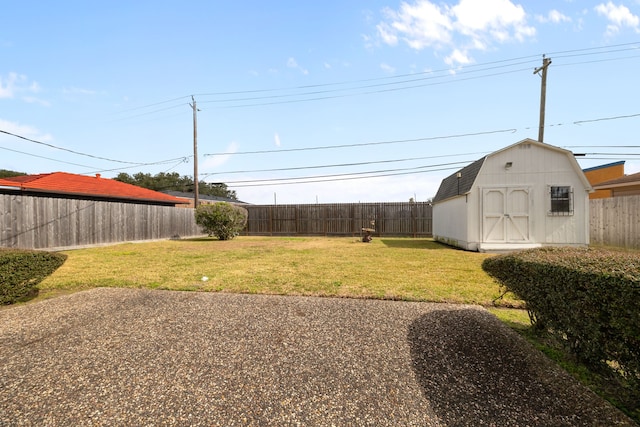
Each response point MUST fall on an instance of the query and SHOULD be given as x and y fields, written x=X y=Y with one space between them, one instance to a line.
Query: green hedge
x=590 y=298
x=21 y=271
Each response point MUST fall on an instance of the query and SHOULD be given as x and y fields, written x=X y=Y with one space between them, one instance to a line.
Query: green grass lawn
x=388 y=268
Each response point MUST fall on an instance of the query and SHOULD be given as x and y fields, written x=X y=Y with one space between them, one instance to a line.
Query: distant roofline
x=608 y=165
x=191 y=196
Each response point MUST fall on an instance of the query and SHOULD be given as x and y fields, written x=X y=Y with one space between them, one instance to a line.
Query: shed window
x=561 y=200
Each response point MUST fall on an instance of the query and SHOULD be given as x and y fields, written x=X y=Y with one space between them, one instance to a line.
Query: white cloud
x=554 y=17
x=618 y=17
x=387 y=68
x=12 y=84
x=276 y=139
x=457 y=57
x=368 y=41
x=292 y=63
x=34 y=100
x=77 y=91
x=212 y=162
x=420 y=25
x=18 y=85
x=468 y=25
x=22 y=130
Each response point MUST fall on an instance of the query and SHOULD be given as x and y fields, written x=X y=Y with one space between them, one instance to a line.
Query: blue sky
x=305 y=102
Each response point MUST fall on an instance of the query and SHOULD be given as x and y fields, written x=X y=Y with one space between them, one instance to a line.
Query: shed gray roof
x=450 y=187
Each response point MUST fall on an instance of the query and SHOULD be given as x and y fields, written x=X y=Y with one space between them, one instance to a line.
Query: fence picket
x=52 y=223
x=340 y=219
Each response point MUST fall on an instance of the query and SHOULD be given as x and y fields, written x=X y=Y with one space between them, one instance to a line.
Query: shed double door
x=505 y=215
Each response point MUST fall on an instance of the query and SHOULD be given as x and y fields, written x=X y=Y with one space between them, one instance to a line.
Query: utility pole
x=543 y=94
x=195 y=152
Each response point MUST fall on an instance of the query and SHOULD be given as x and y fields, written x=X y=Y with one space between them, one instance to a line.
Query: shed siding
x=531 y=169
x=450 y=221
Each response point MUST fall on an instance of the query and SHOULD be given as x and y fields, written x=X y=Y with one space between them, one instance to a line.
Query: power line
x=341 y=164
x=43 y=157
x=64 y=149
x=185 y=158
x=274 y=180
x=602 y=146
x=350 y=176
x=558 y=53
x=371 y=92
x=331 y=179
x=602 y=119
x=412 y=80
x=389 y=80
x=86 y=154
x=365 y=144
x=372 y=174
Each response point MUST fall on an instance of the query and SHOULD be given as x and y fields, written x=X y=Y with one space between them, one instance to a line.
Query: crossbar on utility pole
x=543 y=94
x=195 y=153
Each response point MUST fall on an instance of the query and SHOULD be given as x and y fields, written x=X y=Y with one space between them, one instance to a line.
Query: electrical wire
x=184 y=159
x=602 y=146
x=275 y=180
x=392 y=80
x=348 y=178
x=602 y=119
x=66 y=149
x=358 y=175
x=321 y=98
x=365 y=144
x=89 y=155
x=341 y=164
x=318 y=92
x=43 y=157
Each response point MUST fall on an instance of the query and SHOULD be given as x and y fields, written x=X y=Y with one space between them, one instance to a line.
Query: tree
x=174 y=182
x=223 y=220
x=4 y=173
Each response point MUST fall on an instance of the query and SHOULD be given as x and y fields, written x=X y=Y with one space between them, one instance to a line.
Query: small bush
x=589 y=298
x=223 y=220
x=21 y=271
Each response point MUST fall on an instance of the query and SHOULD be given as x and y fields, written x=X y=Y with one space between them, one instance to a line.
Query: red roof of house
x=86 y=186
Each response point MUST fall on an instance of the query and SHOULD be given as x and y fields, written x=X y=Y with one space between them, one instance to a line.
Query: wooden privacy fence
x=615 y=221
x=344 y=219
x=51 y=223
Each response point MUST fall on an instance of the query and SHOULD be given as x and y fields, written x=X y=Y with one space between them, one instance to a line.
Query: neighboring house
x=72 y=186
x=188 y=197
x=527 y=195
x=628 y=185
x=603 y=173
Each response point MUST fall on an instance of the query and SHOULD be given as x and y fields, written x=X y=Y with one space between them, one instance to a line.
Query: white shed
x=527 y=195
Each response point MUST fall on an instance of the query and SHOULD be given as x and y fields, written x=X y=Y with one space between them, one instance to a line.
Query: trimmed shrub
x=590 y=298
x=21 y=271
x=223 y=220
